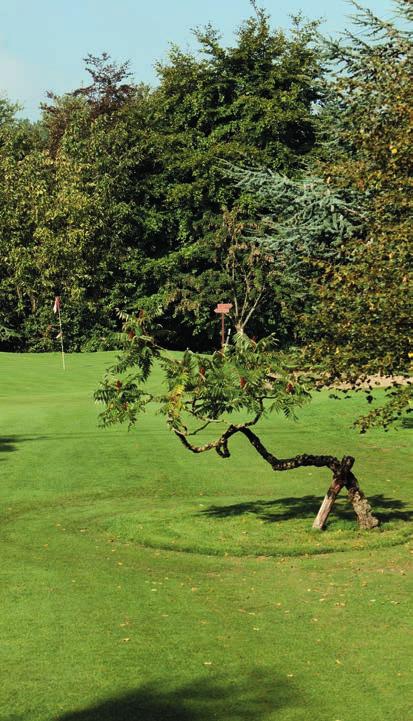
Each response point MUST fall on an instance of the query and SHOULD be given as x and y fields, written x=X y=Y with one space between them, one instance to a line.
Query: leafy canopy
x=245 y=377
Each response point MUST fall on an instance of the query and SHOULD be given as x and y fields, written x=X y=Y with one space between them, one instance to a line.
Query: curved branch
x=342 y=476
x=342 y=473
x=201 y=428
x=220 y=445
x=286 y=464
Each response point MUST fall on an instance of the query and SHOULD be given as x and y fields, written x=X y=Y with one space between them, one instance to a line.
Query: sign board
x=223 y=308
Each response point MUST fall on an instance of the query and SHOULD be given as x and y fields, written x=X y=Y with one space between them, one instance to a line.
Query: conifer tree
x=343 y=232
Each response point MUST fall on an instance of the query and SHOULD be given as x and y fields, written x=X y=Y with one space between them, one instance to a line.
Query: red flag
x=57 y=304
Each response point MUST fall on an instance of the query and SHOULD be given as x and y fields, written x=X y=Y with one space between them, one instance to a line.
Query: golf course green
x=140 y=582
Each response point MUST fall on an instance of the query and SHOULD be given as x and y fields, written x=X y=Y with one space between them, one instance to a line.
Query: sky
x=43 y=42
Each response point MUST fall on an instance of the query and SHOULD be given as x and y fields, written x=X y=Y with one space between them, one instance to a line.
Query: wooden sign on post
x=223 y=309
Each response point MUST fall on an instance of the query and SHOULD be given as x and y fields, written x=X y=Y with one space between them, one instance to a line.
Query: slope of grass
x=104 y=619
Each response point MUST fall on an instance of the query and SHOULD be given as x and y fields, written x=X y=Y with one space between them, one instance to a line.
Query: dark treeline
x=131 y=197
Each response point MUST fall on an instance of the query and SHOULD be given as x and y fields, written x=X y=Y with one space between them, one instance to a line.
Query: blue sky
x=42 y=42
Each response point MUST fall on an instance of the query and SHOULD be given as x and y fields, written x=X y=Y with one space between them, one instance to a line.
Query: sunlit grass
x=140 y=582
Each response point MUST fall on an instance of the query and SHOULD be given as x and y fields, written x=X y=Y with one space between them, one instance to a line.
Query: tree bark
x=342 y=473
x=361 y=506
x=327 y=505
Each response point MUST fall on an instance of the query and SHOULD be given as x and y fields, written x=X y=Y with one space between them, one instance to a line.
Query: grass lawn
x=142 y=583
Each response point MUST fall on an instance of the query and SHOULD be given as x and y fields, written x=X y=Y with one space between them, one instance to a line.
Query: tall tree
x=253 y=102
x=355 y=226
x=135 y=189
x=26 y=183
x=80 y=228
x=365 y=309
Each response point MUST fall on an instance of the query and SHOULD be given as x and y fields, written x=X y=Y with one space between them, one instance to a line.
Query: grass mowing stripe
x=97 y=627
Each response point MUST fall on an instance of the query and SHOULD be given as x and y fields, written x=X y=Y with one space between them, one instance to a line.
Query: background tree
x=343 y=232
x=305 y=222
x=136 y=188
x=374 y=158
x=81 y=226
x=253 y=102
x=362 y=319
x=26 y=183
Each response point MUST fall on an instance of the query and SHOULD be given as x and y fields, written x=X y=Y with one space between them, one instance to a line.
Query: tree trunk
x=361 y=506
x=342 y=474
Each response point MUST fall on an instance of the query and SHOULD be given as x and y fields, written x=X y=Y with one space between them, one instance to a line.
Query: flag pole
x=61 y=338
x=56 y=309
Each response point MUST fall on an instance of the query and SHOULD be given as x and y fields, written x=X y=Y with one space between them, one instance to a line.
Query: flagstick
x=61 y=338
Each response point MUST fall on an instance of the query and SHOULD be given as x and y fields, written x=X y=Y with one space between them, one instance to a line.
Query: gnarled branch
x=342 y=473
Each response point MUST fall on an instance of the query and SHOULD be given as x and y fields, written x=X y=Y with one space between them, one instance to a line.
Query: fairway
x=142 y=583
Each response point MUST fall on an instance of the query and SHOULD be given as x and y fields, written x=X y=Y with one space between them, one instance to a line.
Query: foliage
x=245 y=377
x=363 y=313
x=249 y=103
x=362 y=319
x=342 y=232
x=307 y=223
x=26 y=182
x=133 y=186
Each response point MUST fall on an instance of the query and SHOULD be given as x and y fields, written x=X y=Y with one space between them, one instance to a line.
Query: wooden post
x=223 y=309
x=327 y=504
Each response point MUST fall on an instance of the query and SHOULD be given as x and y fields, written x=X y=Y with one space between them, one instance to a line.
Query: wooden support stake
x=327 y=505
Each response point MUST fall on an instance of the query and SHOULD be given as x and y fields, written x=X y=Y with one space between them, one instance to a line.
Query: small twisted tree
x=249 y=378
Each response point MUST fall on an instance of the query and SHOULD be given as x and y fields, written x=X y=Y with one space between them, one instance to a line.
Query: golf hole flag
x=57 y=304
x=56 y=309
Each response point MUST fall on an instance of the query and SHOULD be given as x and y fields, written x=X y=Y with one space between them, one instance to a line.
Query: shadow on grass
x=7 y=444
x=202 y=700
x=52 y=437
x=284 y=509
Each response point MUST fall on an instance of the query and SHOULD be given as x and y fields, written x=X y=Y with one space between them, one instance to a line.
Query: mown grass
x=104 y=619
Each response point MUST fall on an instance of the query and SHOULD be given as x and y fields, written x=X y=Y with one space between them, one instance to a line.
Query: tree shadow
x=33 y=437
x=283 y=509
x=202 y=700
x=7 y=444
x=11 y=443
